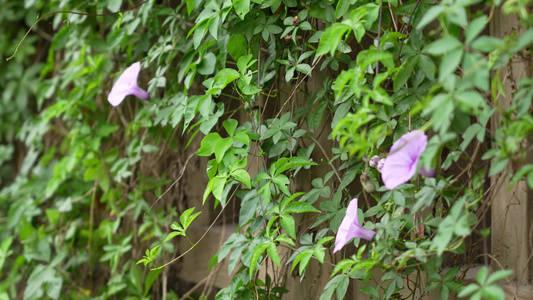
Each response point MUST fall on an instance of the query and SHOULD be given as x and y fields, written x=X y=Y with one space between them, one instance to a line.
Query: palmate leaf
x=187 y=217
x=338 y=284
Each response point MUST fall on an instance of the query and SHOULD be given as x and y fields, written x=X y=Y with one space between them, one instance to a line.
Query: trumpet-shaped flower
x=400 y=166
x=127 y=85
x=351 y=228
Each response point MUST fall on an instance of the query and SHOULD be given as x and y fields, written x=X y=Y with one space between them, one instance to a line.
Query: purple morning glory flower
x=127 y=85
x=400 y=166
x=351 y=228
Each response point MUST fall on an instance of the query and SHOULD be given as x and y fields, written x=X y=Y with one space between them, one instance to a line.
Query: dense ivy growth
x=84 y=209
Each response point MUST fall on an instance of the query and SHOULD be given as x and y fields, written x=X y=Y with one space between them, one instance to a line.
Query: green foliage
x=81 y=182
x=486 y=287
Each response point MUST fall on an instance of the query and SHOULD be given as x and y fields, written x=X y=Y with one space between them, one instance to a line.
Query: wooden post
x=512 y=210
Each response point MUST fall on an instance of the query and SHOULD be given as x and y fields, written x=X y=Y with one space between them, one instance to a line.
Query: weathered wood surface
x=512 y=210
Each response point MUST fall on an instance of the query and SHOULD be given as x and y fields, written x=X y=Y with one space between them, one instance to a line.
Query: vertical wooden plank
x=512 y=210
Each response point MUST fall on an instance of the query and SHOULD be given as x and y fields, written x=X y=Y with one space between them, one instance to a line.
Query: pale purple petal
x=374 y=161
x=427 y=173
x=127 y=85
x=400 y=166
x=351 y=211
x=381 y=163
x=351 y=228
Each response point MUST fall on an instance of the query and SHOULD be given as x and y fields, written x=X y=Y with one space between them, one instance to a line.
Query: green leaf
x=242 y=7
x=242 y=137
x=218 y=186
x=284 y=239
x=371 y=291
x=430 y=15
x=207 y=65
x=281 y=182
x=151 y=277
x=190 y=6
x=221 y=147
x=457 y=16
x=474 y=28
x=230 y=126
x=257 y=252
x=287 y=200
x=370 y=56
x=487 y=43
x=208 y=144
x=242 y=176
x=172 y=235
x=300 y=207
x=404 y=72
x=427 y=66
x=331 y=38
x=114 y=5
x=499 y=275
x=524 y=40
x=342 y=80
x=497 y=165
x=443 y=46
x=199 y=32
x=289 y=74
x=342 y=7
x=444 y=235
x=247 y=211
x=470 y=101
x=306 y=26
x=493 y=292
x=304 y=262
x=272 y=251
x=222 y=79
x=4 y=250
x=237 y=46
x=248 y=89
x=186 y=218
x=339 y=283
x=449 y=63
x=243 y=63
x=342 y=287
x=287 y=222
x=474 y=130
x=214 y=24
x=461 y=227
x=482 y=275
x=304 y=69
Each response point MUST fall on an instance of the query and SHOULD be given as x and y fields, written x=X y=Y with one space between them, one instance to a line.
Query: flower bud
x=381 y=163
x=374 y=161
x=367 y=183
